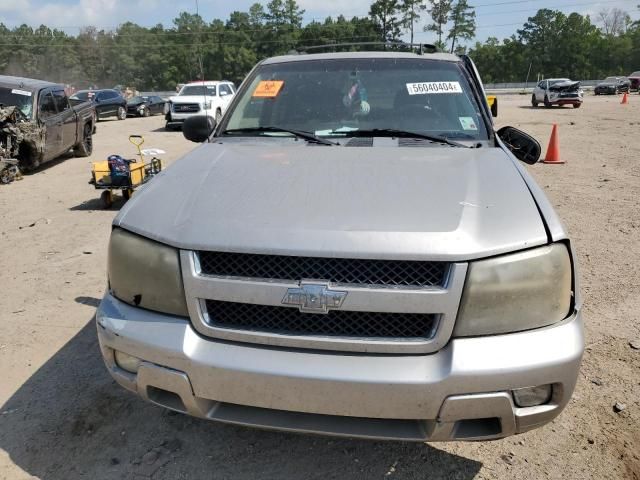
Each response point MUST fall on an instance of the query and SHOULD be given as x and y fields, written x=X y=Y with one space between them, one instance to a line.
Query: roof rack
x=422 y=47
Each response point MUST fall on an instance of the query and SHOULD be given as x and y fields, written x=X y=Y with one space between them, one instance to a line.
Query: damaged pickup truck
x=557 y=91
x=38 y=124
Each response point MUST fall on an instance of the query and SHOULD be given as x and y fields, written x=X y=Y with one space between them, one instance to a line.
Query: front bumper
x=566 y=101
x=462 y=392
x=179 y=118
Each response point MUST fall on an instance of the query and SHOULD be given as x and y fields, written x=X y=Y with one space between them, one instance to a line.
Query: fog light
x=532 y=396
x=127 y=362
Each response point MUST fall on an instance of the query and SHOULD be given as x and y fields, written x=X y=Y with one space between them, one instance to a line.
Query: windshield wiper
x=308 y=136
x=392 y=132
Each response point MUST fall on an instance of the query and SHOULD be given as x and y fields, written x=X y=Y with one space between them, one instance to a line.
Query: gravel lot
x=62 y=417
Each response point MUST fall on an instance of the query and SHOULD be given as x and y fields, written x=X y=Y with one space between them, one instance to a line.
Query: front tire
x=547 y=103
x=145 y=112
x=577 y=105
x=85 y=147
x=122 y=113
x=534 y=102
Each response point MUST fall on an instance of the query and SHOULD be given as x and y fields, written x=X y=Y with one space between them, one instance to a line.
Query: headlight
x=145 y=273
x=207 y=105
x=516 y=292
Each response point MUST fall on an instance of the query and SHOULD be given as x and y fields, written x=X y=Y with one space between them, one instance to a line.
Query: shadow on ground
x=96 y=203
x=71 y=420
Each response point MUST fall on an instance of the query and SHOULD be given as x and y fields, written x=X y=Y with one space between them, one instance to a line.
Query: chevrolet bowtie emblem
x=314 y=297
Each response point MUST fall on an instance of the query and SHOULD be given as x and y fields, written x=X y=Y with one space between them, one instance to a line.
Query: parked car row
x=111 y=103
x=210 y=98
x=562 y=91
x=613 y=86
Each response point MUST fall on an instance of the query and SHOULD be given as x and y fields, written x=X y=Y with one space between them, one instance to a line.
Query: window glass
x=60 y=100
x=225 y=90
x=82 y=95
x=23 y=99
x=47 y=106
x=331 y=97
x=209 y=90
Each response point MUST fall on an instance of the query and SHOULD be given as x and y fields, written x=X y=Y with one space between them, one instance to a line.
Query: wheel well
x=28 y=156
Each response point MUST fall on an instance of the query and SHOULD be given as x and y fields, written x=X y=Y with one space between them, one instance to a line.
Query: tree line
x=550 y=43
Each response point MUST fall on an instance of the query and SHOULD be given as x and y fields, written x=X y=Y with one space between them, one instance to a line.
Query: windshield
x=334 y=97
x=15 y=97
x=559 y=80
x=611 y=79
x=198 y=90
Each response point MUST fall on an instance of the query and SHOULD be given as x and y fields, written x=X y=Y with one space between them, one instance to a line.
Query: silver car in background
x=355 y=251
x=557 y=91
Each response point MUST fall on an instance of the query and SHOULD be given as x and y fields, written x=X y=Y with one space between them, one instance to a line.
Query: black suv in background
x=108 y=103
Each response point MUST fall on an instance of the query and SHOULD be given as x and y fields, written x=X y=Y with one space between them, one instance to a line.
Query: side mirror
x=198 y=128
x=523 y=146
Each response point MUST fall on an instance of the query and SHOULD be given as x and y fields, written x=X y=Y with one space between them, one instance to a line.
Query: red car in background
x=635 y=80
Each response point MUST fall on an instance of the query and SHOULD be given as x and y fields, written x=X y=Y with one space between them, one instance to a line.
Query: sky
x=499 y=18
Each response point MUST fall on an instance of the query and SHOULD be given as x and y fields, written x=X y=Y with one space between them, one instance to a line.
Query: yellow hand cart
x=140 y=172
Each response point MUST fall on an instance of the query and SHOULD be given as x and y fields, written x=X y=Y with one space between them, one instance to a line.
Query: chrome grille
x=336 y=323
x=336 y=270
x=186 y=107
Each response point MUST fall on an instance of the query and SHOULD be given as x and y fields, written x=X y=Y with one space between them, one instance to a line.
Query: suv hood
x=190 y=98
x=436 y=203
x=565 y=86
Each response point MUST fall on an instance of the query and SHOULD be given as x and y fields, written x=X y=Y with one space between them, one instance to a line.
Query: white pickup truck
x=209 y=98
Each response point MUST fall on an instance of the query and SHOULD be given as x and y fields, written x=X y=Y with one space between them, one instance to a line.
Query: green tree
x=385 y=14
x=411 y=10
x=463 y=19
x=439 y=11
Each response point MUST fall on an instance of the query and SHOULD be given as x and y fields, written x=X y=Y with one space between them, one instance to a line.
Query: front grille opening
x=166 y=399
x=477 y=428
x=393 y=273
x=336 y=323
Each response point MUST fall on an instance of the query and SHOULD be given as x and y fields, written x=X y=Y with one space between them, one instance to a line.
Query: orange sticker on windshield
x=268 y=88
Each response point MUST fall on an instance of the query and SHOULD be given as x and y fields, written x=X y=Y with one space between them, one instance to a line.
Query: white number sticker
x=424 y=88
x=21 y=92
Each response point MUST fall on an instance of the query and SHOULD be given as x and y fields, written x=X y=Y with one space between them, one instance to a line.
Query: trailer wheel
x=106 y=198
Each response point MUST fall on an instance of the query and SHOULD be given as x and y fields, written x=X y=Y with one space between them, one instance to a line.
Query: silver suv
x=355 y=251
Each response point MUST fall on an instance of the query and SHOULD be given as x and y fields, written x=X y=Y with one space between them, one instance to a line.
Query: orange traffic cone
x=625 y=100
x=553 y=150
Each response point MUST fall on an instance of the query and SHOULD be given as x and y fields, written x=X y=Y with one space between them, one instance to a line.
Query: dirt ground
x=62 y=417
